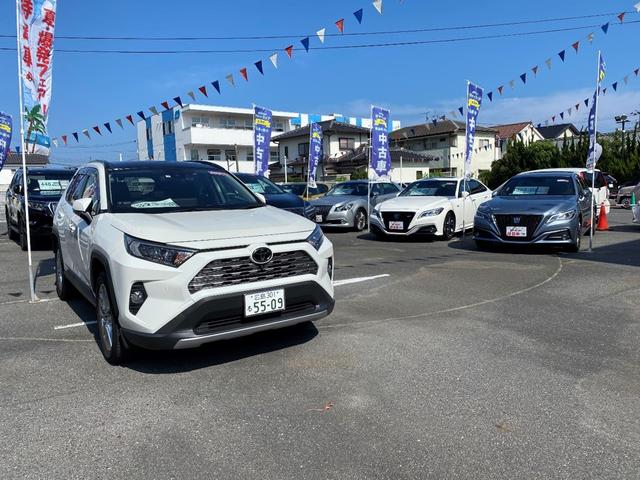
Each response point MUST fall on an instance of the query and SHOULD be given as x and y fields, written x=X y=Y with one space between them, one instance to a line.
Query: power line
x=347 y=34
x=331 y=47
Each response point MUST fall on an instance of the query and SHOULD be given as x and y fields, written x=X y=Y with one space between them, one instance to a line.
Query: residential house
x=524 y=132
x=14 y=162
x=559 y=131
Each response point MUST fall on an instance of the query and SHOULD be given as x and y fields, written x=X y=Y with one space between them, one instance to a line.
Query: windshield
x=259 y=184
x=537 y=185
x=161 y=190
x=431 y=188
x=357 y=189
x=48 y=184
x=295 y=188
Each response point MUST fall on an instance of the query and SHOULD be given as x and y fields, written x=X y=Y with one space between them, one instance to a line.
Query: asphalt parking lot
x=439 y=361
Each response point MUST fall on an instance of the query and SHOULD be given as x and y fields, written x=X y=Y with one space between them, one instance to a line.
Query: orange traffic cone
x=603 y=223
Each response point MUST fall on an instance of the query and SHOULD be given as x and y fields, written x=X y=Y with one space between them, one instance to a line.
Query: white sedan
x=434 y=206
x=636 y=213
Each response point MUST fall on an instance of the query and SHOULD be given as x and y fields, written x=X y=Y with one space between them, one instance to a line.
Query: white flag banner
x=320 y=34
x=377 y=4
x=274 y=59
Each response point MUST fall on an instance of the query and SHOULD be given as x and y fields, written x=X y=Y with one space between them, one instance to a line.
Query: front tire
x=22 y=236
x=449 y=226
x=360 y=220
x=63 y=288
x=110 y=339
x=10 y=233
x=575 y=246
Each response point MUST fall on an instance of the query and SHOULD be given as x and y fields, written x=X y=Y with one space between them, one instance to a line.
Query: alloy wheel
x=361 y=221
x=59 y=270
x=105 y=318
x=449 y=226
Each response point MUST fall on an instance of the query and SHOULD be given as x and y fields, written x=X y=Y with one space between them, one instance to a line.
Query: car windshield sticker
x=527 y=190
x=50 y=185
x=562 y=180
x=255 y=187
x=167 y=203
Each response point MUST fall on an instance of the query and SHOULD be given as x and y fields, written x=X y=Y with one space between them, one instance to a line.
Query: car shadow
x=468 y=244
x=393 y=239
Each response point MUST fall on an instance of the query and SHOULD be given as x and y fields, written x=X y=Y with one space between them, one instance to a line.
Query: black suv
x=45 y=187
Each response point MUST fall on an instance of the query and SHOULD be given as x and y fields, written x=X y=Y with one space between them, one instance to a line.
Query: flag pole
x=593 y=153
x=464 y=170
x=34 y=298
x=368 y=167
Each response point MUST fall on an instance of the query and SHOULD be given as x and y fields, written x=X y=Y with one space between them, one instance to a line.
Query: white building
x=523 y=132
x=220 y=134
x=444 y=142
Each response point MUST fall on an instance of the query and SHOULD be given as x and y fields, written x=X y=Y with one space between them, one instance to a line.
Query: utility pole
x=623 y=119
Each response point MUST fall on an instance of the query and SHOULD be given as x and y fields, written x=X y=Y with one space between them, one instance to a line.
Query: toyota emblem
x=516 y=220
x=261 y=255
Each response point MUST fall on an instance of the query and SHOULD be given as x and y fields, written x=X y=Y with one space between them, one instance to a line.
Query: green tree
x=35 y=121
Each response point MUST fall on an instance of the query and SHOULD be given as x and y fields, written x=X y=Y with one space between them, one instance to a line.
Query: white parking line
x=81 y=324
x=349 y=281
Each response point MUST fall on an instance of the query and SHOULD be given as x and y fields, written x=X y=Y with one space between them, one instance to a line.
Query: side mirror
x=494 y=193
x=465 y=194
x=17 y=189
x=81 y=208
x=261 y=197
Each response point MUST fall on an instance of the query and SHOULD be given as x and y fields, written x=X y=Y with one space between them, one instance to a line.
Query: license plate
x=396 y=225
x=318 y=218
x=517 y=232
x=263 y=302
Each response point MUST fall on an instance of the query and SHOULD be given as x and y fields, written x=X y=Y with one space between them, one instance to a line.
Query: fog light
x=330 y=267
x=137 y=297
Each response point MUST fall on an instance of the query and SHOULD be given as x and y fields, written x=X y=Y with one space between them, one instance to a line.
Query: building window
x=230 y=155
x=195 y=155
x=484 y=143
x=274 y=156
x=286 y=152
x=200 y=122
x=167 y=128
x=278 y=126
x=418 y=174
x=347 y=143
x=249 y=155
x=303 y=149
x=214 y=154
x=228 y=122
x=454 y=141
x=431 y=145
x=248 y=124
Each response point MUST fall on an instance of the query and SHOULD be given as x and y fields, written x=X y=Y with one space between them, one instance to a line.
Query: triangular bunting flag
x=586 y=102
x=203 y=91
x=108 y=127
x=130 y=118
x=165 y=105
x=377 y=4
x=512 y=83
x=141 y=115
x=230 y=79
x=621 y=17
x=178 y=100
x=305 y=43
x=258 y=65
x=461 y=110
x=500 y=88
x=626 y=79
x=637 y=7
x=523 y=77
x=490 y=95
x=97 y=129
x=86 y=133
x=358 y=15
x=615 y=86
x=577 y=106
x=590 y=37
x=553 y=119
x=192 y=95
x=75 y=135
x=576 y=46
x=561 y=55
x=340 y=25
x=562 y=115
x=153 y=110
x=216 y=85
x=119 y=122
x=636 y=71
x=535 y=70
x=54 y=141
x=320 y=34
x=274 y=60
x=245 y=75
x=605 y=27
x=64 y=139
x=548 y=61
x=289 y=51
x=604 y=91
x=570 y=110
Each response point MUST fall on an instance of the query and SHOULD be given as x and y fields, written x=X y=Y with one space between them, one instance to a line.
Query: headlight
x=485 y=214
x=562 y=217
x=345 y=207
x=316 y=238
x=432 y=213
x=157 y=252
x=376 y=213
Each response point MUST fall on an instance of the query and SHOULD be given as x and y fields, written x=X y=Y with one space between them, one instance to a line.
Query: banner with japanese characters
x=5 y=137
x=474 y=101
x=37 y=23
x=380 y=157
x=315 y=152
x=592 y=158
x=261 y=140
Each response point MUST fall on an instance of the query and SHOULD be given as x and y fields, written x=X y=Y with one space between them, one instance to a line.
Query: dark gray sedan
x=536 y=208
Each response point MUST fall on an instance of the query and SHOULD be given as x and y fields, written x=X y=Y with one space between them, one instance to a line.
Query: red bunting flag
x=340 y=25
x=621 y=17
x=97 y=129
x=130 y=118
x=165 y=105
x=64 y=139
x=289 y=51
x=203 y=90
x=576 y=46
x=245 y=75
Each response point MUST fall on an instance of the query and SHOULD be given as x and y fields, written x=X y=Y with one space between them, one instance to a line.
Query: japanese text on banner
x=380 y=161
x=315 y=152
x=474 y=101
x=262 y=140
x=5 y=137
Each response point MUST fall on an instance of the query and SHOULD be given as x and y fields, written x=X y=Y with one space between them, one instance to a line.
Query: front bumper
x=344 y=219
x=432 y=225
x=222 y=317
x=558 y=233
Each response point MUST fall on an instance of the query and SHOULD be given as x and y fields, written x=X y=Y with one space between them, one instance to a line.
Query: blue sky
x=91 y=89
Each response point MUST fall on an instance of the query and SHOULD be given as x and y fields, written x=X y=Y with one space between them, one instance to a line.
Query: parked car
x=612 y=185
x=626 y=192
x=300 y=189
x=276 y=196
x=44 y=188
x=635 y=210
x=544 y=207
x=175 y=255
x=346 y=205
x=601 y=192
x=430 y=206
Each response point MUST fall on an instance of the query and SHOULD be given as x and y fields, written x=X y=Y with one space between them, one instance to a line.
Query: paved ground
x=458 y=364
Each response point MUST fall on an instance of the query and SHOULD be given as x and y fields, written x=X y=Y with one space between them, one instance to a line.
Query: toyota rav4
x=178 y=255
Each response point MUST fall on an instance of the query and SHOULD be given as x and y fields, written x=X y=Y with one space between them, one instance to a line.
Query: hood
x=413 y=204
x=528 y=204
x=337 y=200
x=284 y=200
x=265 y=224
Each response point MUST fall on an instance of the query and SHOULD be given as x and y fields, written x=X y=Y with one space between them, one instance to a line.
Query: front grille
x=323 y=210
x=240 y=270
x=404 y=217
x=529 y=221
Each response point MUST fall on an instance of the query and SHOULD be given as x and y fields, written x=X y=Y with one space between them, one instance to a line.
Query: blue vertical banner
x=262 y=119
x=5 y=137
x=315 y=152
x=380 y=156
x=593 y=155
x=474 y=101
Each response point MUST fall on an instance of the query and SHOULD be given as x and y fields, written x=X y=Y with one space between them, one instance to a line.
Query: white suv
x=174 y=255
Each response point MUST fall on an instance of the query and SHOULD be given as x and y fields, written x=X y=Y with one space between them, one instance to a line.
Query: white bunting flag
x=153 y=110
x=86 y=133
x=626 y=79
x=192 y=95
x=377 y=4
x=230 y=80
x=274 y=59
x=320 y=34
x=590 y=37
x=55 y=142
x=119 y=122
x=512 y=83
x=637 y=7
x=548 y=62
